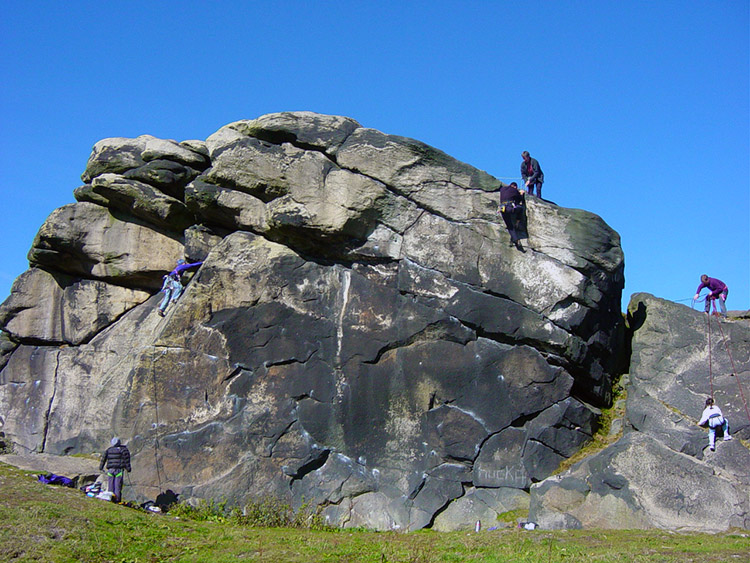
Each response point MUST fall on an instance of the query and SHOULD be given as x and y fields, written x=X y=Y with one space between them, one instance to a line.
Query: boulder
x=138 y=199
x=79 y=469
x=641 y=483
x=167 y=176
x=28 y=382
x=118 y=154
x=361 y=337
x=484 y=505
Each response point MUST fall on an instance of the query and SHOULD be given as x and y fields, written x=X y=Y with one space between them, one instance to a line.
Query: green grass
x=46 y=523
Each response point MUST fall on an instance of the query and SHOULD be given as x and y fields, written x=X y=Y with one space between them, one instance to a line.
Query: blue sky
x=637 y=111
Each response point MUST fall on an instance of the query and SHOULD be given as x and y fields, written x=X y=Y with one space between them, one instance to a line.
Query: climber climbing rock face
x=713 y=418
x=172 y=285
x=513 y=209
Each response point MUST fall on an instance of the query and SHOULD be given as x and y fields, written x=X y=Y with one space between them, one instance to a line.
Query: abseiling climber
x=172 y=286
x=713 y=418
x=717 y=290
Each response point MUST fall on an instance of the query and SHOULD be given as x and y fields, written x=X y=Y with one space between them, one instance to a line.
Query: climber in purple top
x=172 y=286
x=717 y=290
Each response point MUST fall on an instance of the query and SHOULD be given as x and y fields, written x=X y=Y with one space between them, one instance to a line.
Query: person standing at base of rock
x=117 y=460
x=532 y=174
x=512 y=208
x=172 y=286
x=717 y=290
x=713 y=418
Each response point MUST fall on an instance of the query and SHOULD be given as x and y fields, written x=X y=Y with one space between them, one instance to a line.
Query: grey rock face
x=87 y=240
x=137 y=199
x=60 y=309
x=361 y=334
x=661 y=474
x=480 y=504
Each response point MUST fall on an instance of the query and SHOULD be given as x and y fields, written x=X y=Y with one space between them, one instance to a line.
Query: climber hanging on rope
x=717 y=290
x=713 y=419
x=172 y=286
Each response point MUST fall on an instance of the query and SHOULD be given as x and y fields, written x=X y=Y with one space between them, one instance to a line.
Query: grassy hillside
x=46 y=523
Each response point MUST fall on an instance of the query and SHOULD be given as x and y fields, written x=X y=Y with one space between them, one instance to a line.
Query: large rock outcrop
x=661 y=474
x=361 y=335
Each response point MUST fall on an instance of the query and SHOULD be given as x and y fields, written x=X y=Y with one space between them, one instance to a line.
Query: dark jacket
x=510 y=194
x=536 y=176
x=116 y=458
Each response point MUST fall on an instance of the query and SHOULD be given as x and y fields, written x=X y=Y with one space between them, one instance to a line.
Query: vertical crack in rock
x=48 y=413
x=346 y=278
x=418 y=487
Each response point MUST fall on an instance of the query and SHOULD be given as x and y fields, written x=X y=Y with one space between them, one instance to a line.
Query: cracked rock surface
x=361 y=337
x=661 y=473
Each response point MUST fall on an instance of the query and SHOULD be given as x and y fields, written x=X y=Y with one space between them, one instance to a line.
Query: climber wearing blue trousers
x=172 y=286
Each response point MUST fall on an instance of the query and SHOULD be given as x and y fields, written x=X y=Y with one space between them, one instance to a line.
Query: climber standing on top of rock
x=117 y=460
x=532 y=174
x=717 y=290
x=713 y=418
x=512 y=208
x=172 y=286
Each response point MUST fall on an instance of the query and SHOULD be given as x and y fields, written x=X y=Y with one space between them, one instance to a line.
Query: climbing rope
x=710 y=373
x=734 y=370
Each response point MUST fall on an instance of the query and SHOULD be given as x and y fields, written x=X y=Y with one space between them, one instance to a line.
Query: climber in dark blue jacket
x=532 y=174
x=117 y=460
